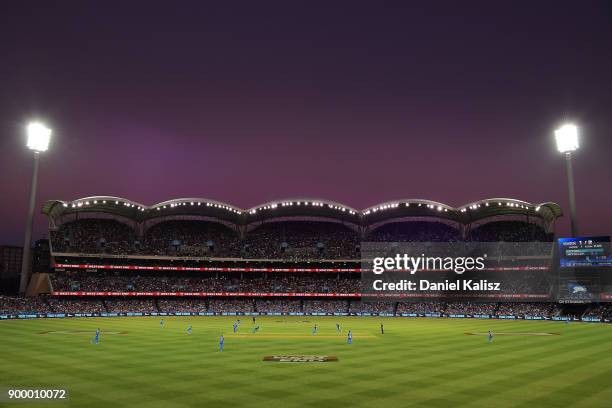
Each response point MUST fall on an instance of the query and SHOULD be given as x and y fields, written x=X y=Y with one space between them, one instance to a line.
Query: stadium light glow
x=567 y=138
x=567 y=142
x=39 y=137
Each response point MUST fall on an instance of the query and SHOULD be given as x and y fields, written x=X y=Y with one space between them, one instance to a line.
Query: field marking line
x=297 y=336
x=78 y=332
x=511 y=334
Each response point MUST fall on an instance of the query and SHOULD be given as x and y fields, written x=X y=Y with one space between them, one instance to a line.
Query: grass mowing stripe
x=419 y=362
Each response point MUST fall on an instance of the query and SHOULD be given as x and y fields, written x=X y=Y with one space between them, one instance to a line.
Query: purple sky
x=360 y=104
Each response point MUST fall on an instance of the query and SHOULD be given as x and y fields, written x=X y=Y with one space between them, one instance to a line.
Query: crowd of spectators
x=131 y=305
x=599 y=311
x=509 y=231
x=301 y=240
x=415 y=231
x=191 y=238
x=372 y=307
x=420 y=307
x=575 y=311
x=556 y=310
x=22 y=305
x=44 y=304
x=268 y=283
x=275 y=240
x=231 y=305
x=470 y=308
x=189 y=305
x=291 y=240
x=325 y=306
x=278 y=306
x=524 y=309
x=83 y=305
x=94 y=236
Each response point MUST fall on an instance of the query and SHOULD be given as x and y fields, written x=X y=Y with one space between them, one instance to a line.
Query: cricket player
x=161 y=323
x=235 y=327
x=96 y=340
x=350 y=337
x=314 y=329
x=337 y=327
x=255 y=329
x=221 y=341
x=382 y=329
x=189 y=329
x=490 y=336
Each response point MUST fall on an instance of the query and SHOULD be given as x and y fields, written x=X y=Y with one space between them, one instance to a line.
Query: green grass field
x=417 y=362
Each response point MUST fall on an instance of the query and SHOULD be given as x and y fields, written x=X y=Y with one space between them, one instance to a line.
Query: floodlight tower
x=567 y=142
x=38 y=141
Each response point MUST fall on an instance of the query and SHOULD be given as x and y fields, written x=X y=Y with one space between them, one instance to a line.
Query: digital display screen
x=584 y=251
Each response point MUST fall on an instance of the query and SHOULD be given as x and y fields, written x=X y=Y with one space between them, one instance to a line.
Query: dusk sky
x=246 y=102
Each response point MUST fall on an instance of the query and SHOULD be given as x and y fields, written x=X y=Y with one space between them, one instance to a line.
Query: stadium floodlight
x=567 y=142
x=39 y=136
x=567 y=138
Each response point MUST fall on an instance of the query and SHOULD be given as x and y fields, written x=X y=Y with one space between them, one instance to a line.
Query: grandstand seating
x=292 y=240
x=313 y=242
x=301 y=240
x=415 y=231
x=45 y=304
x=191 y=238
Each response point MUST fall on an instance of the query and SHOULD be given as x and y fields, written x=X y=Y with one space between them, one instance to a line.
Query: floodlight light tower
x=567 y=142
x=38 y=141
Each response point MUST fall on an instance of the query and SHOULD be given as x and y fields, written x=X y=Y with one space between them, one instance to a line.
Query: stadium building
x=115 y=256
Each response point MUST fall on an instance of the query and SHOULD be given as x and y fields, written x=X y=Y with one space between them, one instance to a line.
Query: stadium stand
x=301 y=240
x=222 y=242
x=189 y=305
x=420 y=308
x=130 y=305
x=292 y=230
x=509 y=231
x=416 y=231
x=191 y=238
x=231 y=305
x=278 y=306
x=325 y=306
x=548 y=310
x=94 y=236
x=281 y=283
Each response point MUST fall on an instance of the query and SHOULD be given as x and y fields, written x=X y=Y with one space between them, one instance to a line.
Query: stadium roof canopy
x=409 y=208
x=140 y=212
x=302 y=207
x=305 y=207
x=491 y=207
x=465 y=214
